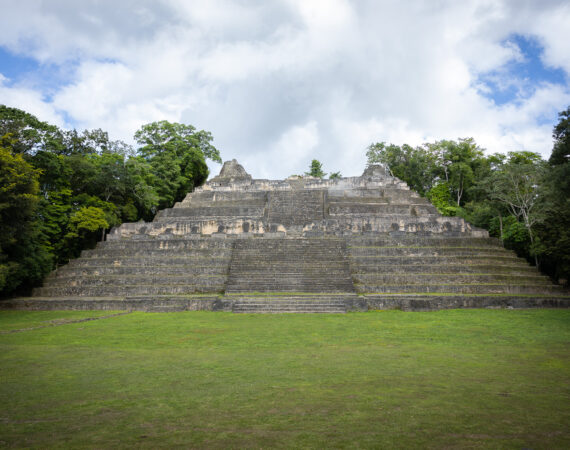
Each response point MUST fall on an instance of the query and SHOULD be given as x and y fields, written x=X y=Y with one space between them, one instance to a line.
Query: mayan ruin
x=297 y=245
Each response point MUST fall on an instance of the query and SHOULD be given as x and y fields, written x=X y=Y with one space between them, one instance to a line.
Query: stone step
x=376 y=279
x=150 y=303
x=477 y=288
x=290 y=288
x=419 y=302
x=513 y=269
x=212 y=211
x=391 y=193
x=232 y=197
x=421 y=241
x=151 y=270
x=429 y=251
x=122 y=279
x=279 y=270
x=119 y=252
x=289 y=305
x=371 y=209
x=152 y=261
x=126 y=290
x=426 y=261
x=165 y=244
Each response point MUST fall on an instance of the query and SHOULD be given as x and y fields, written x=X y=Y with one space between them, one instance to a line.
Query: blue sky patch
x=28 y=72
x=518 y=79
x=12 y=66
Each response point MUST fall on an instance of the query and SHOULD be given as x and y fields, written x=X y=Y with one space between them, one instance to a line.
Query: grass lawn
x=387 y=379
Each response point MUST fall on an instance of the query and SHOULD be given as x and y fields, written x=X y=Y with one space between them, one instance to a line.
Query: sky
x=279 y=83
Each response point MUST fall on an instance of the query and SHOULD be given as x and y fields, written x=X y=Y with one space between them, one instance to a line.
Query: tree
x=553 y=229
x=176 y=153
x=516 y=185
x=561 y=134
x=78 y=184
x=458 y=163
x=440 y=197
x=22 y=255
x=315 y=169
x=141 y=189
x=415 y=166
x=29 y=133
x=335 y=176
x=92 y=142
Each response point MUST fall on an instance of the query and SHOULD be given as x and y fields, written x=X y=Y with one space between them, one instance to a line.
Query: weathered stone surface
x=231 y=171
x=297 y=245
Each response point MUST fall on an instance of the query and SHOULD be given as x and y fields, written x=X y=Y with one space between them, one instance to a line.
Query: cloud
x=280 y=83
x=16 y=95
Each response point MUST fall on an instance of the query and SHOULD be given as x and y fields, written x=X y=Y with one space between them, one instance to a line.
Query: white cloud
x=280 y=83
x=30 y=101
x=295 y=145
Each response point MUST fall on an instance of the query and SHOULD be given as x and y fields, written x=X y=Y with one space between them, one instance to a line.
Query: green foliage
x=87 y=219
x=440 y=196
x=416 y=166
x=515 y=184
x=22 y=255
x=516 y=236
x=553 y=227
x=315 y=169
x=335 y=176
x=61 y=190
x=479 y=214
x=179 y=139
x=176 y=153
x=459 y=164
x=518 y=190
x=30 y=134
x=561 y=134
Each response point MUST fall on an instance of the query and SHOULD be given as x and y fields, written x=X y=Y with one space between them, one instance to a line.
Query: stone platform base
x=293 y=303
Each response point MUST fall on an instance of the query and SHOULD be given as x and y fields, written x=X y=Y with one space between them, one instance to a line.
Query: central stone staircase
x=289 y=265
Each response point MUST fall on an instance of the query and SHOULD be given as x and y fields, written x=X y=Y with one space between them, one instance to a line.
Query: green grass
x=387 y=379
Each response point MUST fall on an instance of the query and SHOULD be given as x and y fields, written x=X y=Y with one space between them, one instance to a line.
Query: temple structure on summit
x=234 y=204
x=297 y=245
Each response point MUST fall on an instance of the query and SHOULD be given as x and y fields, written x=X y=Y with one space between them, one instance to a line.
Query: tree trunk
x=527 y=224
x=501 y=227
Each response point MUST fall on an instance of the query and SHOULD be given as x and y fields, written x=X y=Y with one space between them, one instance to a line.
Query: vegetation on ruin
x=316 y=169
x=446 y=379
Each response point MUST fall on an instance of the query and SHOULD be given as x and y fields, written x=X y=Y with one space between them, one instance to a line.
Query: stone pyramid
x=297 y=245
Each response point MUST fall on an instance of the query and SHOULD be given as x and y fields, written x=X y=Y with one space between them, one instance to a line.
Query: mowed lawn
x=386 y=379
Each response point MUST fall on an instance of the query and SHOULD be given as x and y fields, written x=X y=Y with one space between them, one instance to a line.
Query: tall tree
x=516 y=185
x=29 y=133
x=414 y=165
x=459 y=163
x=177 y=154
x=561 y=134
x=554 y=226
x=22 y=255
